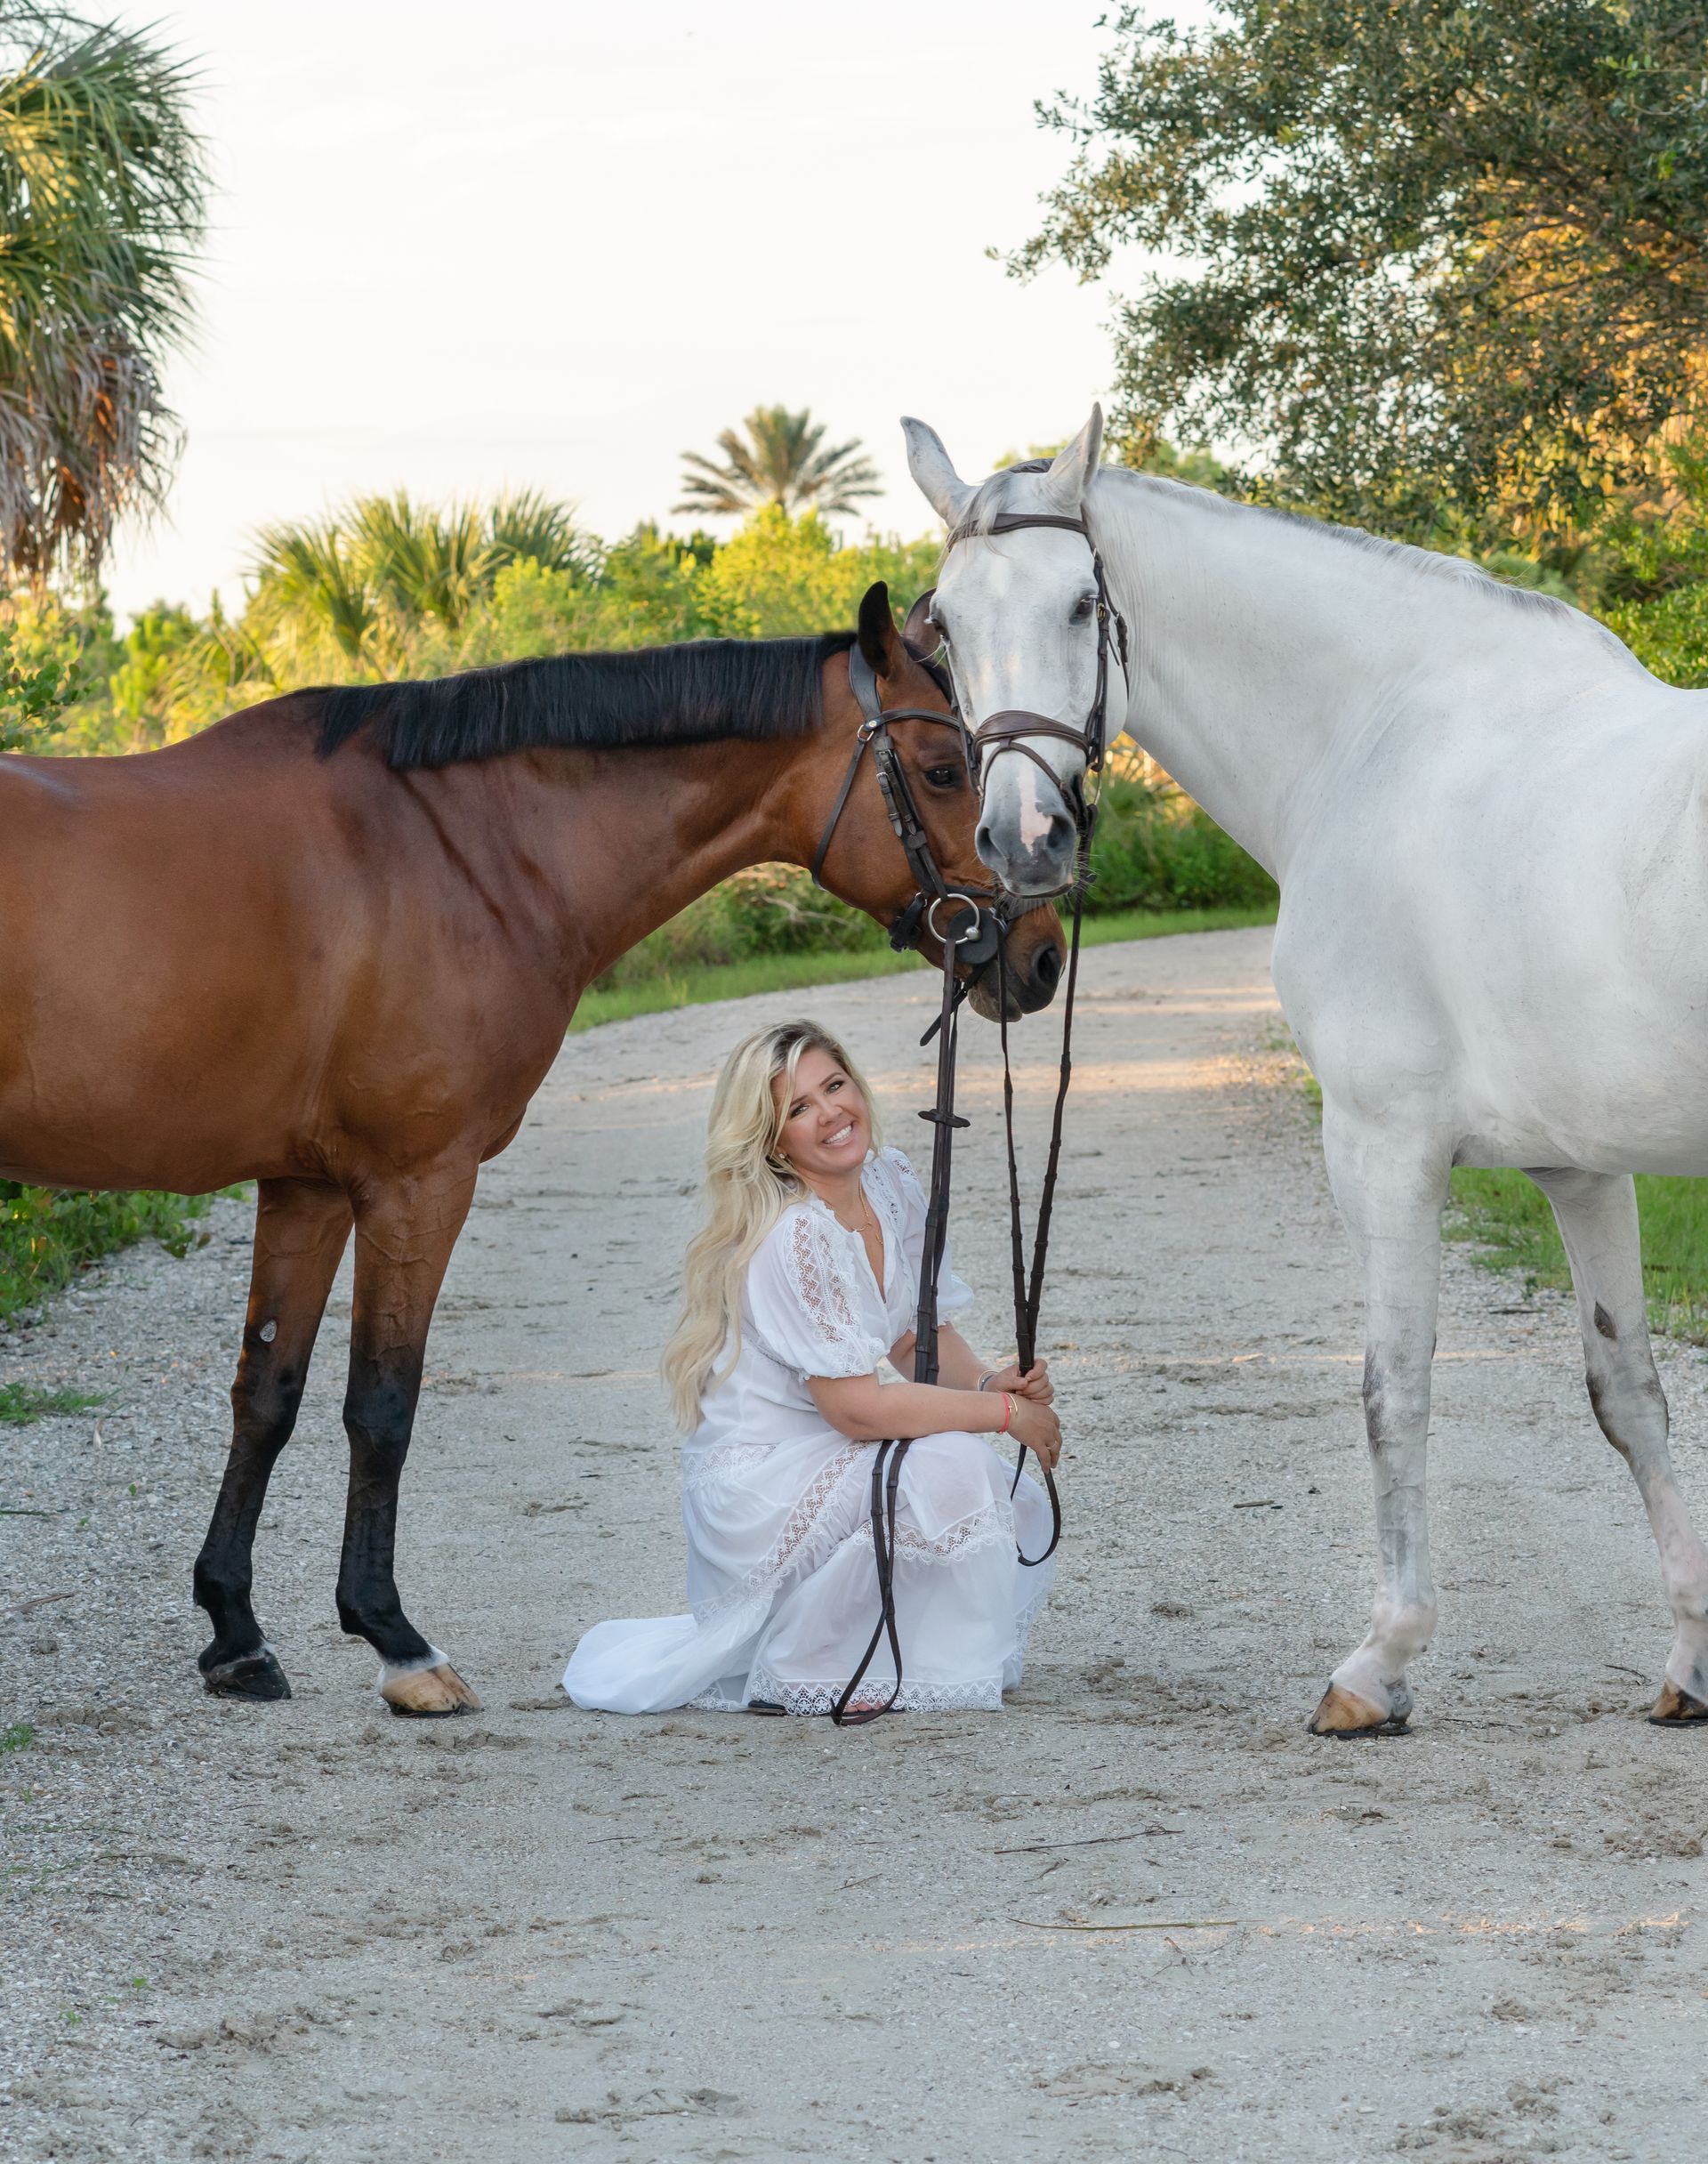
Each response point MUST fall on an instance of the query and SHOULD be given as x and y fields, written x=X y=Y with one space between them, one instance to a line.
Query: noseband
x=976 y=939
x=1008 y=730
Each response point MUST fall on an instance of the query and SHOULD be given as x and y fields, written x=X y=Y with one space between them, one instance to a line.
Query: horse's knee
x=264 y=1404
x=1629 y=1403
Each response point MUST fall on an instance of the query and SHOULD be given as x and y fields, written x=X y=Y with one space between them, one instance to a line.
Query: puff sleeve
x=809 y=1312
x=952 y=1292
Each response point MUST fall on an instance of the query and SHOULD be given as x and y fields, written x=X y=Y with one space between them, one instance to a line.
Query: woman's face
x=827 y=1129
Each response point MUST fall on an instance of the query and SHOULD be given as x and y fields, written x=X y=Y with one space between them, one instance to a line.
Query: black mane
x=694 y=693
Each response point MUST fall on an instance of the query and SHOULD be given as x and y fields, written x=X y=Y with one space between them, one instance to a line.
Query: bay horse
x=1490 y=826
x=331 y=945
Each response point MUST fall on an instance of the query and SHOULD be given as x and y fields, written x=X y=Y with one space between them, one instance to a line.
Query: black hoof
x=250 y=1675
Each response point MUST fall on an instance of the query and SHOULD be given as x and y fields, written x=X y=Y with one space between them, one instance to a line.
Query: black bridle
x=980 y=942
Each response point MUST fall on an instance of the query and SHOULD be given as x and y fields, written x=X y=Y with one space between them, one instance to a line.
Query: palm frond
x=102 y=207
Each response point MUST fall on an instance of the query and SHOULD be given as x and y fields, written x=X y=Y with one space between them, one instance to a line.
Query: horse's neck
x=1261 y=647
x=631 y=838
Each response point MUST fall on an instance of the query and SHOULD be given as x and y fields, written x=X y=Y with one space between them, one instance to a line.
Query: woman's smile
x=827 y=1128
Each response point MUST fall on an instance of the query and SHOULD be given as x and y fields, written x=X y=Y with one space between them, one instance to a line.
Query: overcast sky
x=558 y=242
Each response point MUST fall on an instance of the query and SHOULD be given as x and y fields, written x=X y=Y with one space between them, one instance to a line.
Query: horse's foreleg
x=1596 y=1214
x=1390 y=1188
x=301 y=1228
x=404 y=1235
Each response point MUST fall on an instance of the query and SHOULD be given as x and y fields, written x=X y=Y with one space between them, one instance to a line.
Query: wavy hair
x=747 y=1188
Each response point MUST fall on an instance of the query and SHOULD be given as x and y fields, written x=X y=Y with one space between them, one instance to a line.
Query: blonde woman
x=802 y=1280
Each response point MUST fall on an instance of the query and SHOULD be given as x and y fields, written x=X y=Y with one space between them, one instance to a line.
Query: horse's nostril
x=1046 y=967
x=1061 y=832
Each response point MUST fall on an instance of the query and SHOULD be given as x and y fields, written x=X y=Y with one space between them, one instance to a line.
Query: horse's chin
x=984 y=1001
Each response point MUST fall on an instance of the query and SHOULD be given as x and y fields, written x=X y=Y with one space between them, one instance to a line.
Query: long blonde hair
x=747 y=1188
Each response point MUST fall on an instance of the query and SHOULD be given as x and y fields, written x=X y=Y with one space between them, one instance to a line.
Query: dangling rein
x=1028 y=1292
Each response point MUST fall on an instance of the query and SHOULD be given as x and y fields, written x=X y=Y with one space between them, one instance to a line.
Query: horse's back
x=1508 y=918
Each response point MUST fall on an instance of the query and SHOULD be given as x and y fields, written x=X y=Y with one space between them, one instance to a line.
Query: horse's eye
x=1083 y=606
x=944 y=776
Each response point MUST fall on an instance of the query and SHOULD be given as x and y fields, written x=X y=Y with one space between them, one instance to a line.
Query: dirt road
x=1140 y=1914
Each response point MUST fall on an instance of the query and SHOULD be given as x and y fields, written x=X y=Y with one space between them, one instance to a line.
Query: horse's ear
x=928 y=463
x=919 y=635
x=1072 y=467
x=879 y=640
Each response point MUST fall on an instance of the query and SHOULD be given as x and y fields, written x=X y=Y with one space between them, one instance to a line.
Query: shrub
x=1155 y=849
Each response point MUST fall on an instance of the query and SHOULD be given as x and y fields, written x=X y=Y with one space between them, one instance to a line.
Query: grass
x=781 y=972
x=1509 y=1217
x=20 y=1404
x=19 y=1737
x=47 y=1235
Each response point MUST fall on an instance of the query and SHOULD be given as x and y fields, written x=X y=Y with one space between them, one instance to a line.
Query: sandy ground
x=1140 y=1914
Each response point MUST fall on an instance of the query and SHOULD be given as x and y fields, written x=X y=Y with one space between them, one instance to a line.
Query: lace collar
x=882 y=1190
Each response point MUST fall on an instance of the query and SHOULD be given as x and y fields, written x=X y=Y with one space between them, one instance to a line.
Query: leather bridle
x=1010 y=729
x=977 y=940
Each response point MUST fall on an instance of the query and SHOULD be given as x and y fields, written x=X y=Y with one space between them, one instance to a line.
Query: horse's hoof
x=430 y=1694
x=1676 y=1708
x=250 y=1675
x=1342 y=1713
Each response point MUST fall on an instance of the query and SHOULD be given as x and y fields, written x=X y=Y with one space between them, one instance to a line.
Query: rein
x=975 y=932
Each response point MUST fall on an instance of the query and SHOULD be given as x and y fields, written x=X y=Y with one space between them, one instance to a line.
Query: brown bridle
x=1008 y=730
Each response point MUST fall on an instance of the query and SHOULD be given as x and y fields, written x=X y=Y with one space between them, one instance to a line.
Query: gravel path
x=1140 y=1914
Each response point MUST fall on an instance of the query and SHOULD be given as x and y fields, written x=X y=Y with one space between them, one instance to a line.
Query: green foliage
x=780 y=577
x=779 y=463
x=103 y=189
x=1438 y=252
x=1155 y=849
x=20 y=1406
x=18 y=1737
x=48 y=1234
x=40 y=675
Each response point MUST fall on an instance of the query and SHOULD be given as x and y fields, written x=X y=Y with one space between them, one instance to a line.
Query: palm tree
x=102 y=197
x=778 y=463
x=368 y=574
x=310 y=583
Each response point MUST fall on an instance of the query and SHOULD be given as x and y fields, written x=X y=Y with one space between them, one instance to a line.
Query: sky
x=556 y=243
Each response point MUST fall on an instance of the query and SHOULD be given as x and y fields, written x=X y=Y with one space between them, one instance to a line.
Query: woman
x=803 y=1277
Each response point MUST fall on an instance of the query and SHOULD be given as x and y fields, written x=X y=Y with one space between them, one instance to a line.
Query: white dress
x=782 y=1580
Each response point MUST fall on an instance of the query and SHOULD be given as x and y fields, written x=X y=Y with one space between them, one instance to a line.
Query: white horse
x=1490 y=826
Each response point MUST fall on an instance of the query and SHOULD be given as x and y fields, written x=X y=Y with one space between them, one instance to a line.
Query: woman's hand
x=1036 y=1427
x=1034 y=1383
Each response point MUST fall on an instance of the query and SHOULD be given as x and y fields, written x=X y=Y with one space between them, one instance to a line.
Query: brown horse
x=332 y=944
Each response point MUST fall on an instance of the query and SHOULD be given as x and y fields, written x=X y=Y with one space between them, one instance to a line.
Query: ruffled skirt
x=784 y=1585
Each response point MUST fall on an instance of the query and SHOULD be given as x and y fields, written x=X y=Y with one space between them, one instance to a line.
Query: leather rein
x=976 y=932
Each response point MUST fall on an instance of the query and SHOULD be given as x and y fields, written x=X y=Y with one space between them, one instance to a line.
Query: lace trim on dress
x=979 y=1694
x=817 y=1285
x=722 y=1460
x=808 y=1538
x=982 y=1529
